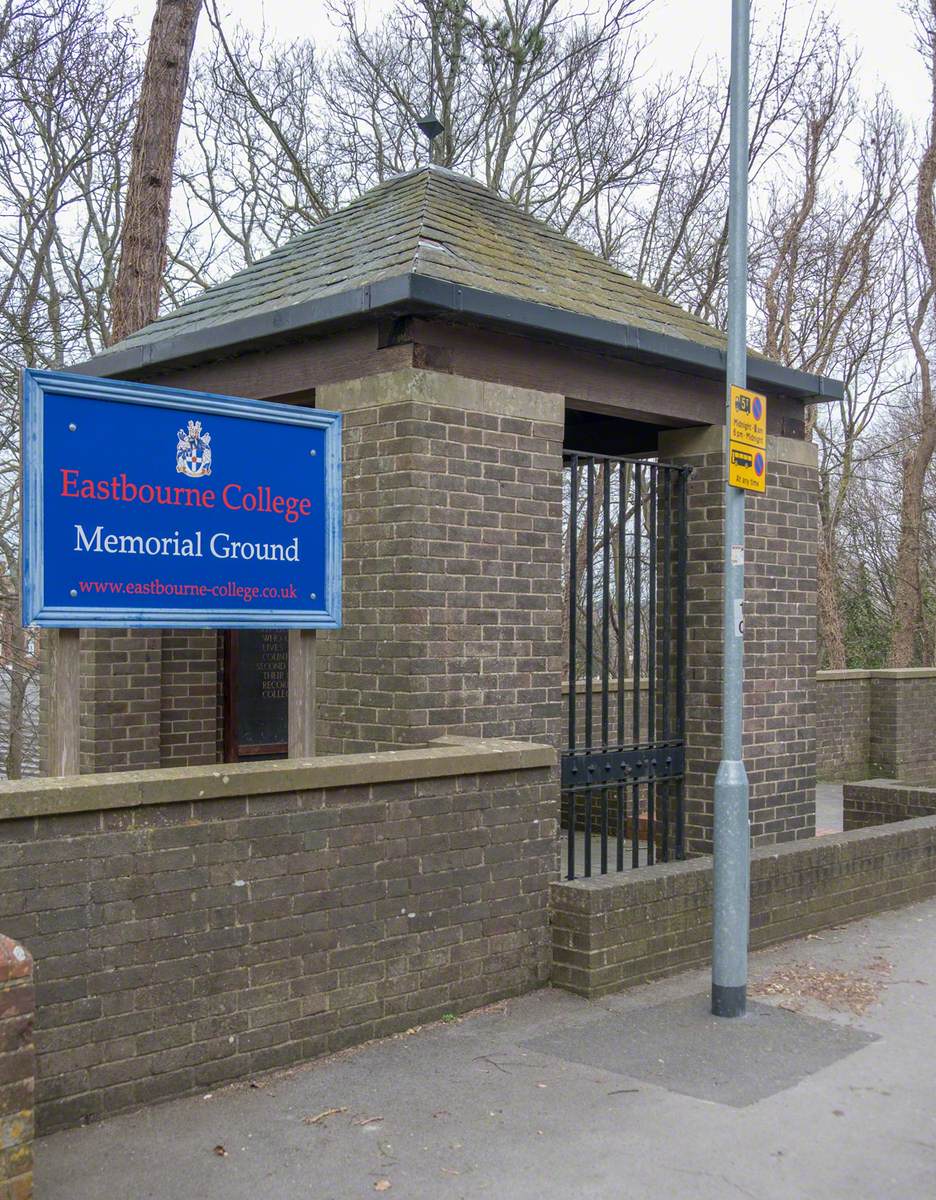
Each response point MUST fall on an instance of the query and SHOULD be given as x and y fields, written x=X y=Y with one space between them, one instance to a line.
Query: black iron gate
x=623 y=766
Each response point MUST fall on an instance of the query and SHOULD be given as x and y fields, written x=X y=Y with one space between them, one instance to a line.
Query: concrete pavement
x=825 y=1090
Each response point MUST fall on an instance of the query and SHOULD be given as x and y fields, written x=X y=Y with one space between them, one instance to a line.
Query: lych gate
x=623 y=759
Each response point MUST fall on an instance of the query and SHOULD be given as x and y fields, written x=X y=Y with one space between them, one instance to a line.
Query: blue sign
x=152 y=506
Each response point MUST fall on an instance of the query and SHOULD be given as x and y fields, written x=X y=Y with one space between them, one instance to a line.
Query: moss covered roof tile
x=433 y=222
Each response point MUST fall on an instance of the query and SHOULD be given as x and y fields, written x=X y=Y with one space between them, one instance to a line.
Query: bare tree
x=826 y=288
x=256 y=167
x=919 y=454
x=67 y=81
x=145 y=231
x=278 y=136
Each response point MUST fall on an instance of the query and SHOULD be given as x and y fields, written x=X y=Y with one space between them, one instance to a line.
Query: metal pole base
x=729 y=1001
x=731 y=889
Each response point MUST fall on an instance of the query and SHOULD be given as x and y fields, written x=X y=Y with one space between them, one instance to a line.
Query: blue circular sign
x=758 y=408
x=759 y=464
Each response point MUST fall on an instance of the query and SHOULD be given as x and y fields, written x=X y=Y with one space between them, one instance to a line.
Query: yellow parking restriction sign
x=747 y=467
x=748 y=418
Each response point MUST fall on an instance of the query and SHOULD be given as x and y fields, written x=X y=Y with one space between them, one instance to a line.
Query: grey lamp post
x=731 y=838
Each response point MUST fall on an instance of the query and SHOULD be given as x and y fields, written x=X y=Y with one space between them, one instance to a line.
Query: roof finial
x=431 y=126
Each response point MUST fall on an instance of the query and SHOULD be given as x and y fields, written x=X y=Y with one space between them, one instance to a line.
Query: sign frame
x=34 y=386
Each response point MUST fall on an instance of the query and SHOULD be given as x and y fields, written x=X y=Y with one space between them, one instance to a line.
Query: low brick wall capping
x=443 y=757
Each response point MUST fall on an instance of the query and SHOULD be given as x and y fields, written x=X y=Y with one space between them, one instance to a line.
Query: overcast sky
x=679 y=29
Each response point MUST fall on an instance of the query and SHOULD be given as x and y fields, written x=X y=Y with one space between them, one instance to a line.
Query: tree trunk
x=17 y=700
x=135 y=299
x=908 y=605
x=831 y=632
x=908 y=592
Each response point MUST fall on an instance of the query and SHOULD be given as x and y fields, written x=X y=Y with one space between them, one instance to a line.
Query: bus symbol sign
x=747 y=467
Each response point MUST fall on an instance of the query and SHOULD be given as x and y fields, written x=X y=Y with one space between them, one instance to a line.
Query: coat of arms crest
x=193 y=451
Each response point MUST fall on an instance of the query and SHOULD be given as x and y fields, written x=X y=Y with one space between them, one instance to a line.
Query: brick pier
x=17 y=1071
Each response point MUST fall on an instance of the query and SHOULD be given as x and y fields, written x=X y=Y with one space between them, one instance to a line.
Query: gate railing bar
x=589 y=631
x=681 y=568
x=573 y=634
x=652 y=652
x=665 y=651
x=621 y=646
x=638 y=616
x=635 y=764
x=605 y=648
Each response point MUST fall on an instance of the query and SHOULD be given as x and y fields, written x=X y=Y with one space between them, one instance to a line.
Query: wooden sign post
x=302 y=693
x=64 y=724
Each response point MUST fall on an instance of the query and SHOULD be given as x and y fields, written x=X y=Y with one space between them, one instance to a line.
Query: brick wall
x=17 y=1071
x=149 y=698
x=877 y=723
x=612 y=932
x=191 y=926
x=882 y=802
x=188 y=713
x=843 y=724
x=903 y=725
x=121 y=672
x=453 y=563
x=780 y=637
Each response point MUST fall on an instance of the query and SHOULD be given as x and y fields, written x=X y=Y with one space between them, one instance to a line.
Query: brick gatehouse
x=468 y=346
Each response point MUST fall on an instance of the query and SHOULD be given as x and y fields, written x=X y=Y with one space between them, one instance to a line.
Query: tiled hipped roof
x=437 y=224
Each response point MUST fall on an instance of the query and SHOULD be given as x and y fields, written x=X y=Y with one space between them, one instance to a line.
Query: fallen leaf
x=382 y=1185
x=220 y=1151
x=840 y=990
x=323 y=1116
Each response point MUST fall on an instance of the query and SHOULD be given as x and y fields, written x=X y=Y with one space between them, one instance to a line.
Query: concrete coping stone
x=890 y=785
x=441 y=758
x=442 y=390
x=879 y=673
x=904 y=673
x=710 y=439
